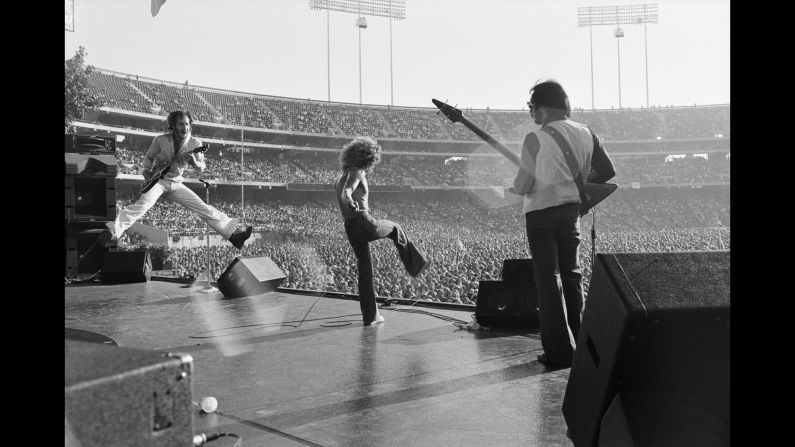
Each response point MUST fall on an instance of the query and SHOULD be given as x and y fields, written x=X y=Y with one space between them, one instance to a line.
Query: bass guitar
x=592 y=192
x=160 y=172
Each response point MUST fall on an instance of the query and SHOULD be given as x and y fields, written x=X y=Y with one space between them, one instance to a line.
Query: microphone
x=199 y=440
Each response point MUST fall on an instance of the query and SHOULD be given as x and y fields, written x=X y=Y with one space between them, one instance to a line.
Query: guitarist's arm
x=196 y=159
x=149 y=158
x=525 y=178
x=602 y=168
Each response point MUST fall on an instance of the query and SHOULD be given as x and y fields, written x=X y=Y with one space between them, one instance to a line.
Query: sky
x=471 y=53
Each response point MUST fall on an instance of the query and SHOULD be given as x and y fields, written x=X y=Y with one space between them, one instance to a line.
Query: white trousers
x=181 y=194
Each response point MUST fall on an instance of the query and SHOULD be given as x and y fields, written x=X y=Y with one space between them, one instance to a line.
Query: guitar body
x=594 y=192
x=161 y=172
x=152 y=181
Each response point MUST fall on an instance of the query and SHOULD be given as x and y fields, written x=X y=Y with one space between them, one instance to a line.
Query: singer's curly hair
x=362 y=153
x=172 y=118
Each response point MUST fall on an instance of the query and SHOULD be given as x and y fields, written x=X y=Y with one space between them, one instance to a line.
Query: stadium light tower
x=627 y=14
x=70 y=16
x=393 y=9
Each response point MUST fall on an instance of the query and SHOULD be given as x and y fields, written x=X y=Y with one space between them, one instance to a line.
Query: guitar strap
x=177 y=148
x=569 y=156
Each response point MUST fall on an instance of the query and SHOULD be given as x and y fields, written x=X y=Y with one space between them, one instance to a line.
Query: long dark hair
x=172 y=118
x=549 y=93
x=362 y=153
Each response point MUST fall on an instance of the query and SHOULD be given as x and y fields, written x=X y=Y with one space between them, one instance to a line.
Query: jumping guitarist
x=181 y=148
x=552 y=208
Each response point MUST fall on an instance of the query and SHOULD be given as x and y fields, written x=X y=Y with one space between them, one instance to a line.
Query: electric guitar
x=593 y=192
x=160 y=172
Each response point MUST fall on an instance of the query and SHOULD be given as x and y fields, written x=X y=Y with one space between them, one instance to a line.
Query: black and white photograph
x=397 y=223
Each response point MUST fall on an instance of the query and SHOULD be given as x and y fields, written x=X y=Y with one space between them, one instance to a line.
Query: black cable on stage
x=425 y=312
x=286 y=324
x=74 y=279
x=340 y=323
x=79 y=260
x=310 y=310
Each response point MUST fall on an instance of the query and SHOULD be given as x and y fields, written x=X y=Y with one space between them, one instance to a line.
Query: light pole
x=393 y=9
x=207 y=186
x=626 y=14
x=242 y=171
x=328 y=53
x=391 y=84
x=361 y=22
x=619 y=33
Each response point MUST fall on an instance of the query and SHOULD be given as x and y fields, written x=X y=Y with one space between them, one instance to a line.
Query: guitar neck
x=503 y=149
x=179 y=158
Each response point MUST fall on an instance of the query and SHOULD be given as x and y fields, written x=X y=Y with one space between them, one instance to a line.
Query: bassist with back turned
x=552 y=209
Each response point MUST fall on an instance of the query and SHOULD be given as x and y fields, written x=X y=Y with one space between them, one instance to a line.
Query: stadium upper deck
x=155 y=97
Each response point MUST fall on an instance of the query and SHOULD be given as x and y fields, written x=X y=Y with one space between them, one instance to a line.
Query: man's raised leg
x=131 y=214
x=216 y=219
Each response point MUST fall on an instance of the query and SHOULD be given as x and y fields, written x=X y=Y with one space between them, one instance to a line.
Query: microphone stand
x=207 y=186
x=593 y=239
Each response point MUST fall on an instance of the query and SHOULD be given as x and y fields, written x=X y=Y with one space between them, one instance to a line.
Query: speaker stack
x=512 y=302
x=651 y=366
x=89 y=199
x=118 y=396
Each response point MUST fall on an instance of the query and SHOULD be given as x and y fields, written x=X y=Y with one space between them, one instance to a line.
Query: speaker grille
x=505 y=303
x=671 y=281
x=501 y=301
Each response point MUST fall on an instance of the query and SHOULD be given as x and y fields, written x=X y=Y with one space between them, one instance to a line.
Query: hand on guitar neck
x=156 y=172
x=147 y=173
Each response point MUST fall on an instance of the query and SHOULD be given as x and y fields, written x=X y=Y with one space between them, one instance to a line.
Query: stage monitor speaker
x=118 y=396
x=656 y=329
x=517 y=270
x=658 y=419
x=507 y=304
x=126 y=267
x=250 y=275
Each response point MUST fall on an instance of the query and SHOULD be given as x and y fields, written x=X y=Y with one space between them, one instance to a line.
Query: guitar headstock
x=449 y=111
x=201 y=148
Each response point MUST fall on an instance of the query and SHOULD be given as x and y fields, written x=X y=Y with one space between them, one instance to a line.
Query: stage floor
x=415 y=380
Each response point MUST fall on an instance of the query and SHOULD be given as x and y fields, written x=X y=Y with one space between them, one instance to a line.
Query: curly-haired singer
x=356 y=159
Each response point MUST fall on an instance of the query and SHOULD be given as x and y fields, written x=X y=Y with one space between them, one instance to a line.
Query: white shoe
x=378 y=319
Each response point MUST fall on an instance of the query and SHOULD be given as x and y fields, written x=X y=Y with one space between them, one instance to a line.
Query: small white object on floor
x=208 y=404
x=472 y=325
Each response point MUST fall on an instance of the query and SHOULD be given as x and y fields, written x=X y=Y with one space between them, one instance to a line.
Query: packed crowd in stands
x=322 y=168
x=358 y=120
x=468 y=239
x=210 y=105
x=328 y=264
x=414 y=124
x=626 y=125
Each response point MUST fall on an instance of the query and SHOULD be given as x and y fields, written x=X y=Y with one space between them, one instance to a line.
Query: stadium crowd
x=467 y=239
x=312 y=167
x=319 y=117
